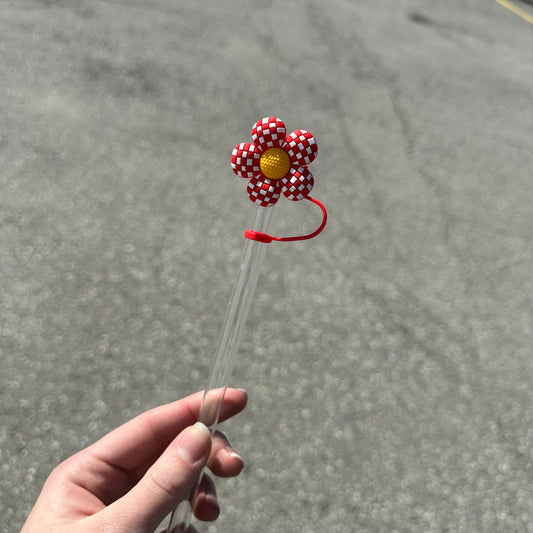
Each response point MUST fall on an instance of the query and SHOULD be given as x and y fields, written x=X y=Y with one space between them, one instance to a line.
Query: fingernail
x=195 y=443
x=234 y=455
x=211 y=507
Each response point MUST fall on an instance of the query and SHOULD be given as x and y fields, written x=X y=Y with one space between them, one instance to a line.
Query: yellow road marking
x=517 y=10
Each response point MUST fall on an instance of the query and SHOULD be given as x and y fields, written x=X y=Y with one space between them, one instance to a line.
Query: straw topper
x=275 y=164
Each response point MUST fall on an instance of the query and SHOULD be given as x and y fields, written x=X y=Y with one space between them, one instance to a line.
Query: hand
x=129 y=480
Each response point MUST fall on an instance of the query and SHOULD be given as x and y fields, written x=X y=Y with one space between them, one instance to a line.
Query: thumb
x=166 y=483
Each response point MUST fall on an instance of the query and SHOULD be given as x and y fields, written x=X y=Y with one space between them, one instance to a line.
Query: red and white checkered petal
x=269 y=132
x=298 y=183
x=264 y=191
x=301 y=147
x=245 y=160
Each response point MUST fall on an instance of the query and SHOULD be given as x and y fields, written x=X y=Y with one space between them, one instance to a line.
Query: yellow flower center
x=275 y=163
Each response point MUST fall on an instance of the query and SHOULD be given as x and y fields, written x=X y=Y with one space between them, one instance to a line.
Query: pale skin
x=133 y=477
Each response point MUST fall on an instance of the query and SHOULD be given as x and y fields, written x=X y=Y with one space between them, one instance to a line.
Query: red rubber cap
x=258 y=236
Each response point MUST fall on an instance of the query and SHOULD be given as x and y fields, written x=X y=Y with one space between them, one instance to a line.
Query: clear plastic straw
x=237 y=313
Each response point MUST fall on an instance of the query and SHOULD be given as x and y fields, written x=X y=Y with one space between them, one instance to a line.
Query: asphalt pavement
x=389 y=361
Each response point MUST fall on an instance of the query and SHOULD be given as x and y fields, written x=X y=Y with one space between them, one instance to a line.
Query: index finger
x=147 y=435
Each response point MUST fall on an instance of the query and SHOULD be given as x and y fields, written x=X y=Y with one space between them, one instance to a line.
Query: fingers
x=170 y=479
x=167 y=467
x=138 y=441
x=206 y=506
x=224 y=461
x=166 y=483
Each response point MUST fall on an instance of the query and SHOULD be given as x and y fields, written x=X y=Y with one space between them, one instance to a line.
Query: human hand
x=129 y=480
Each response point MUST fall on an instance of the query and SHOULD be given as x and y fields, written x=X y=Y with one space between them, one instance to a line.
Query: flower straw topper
x=276 y=163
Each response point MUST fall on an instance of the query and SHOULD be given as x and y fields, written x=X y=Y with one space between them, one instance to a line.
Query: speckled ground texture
x=389 y=362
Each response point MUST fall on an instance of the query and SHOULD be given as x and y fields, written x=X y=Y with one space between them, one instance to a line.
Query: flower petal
x=270 y=132
x=301 y=147
x=298 y=183
x=245 y=160
x=264 y=191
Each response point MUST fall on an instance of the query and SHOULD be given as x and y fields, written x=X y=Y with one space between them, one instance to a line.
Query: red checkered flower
x=275 y=163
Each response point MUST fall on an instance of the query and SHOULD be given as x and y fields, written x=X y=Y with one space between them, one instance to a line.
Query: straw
x=230 y=338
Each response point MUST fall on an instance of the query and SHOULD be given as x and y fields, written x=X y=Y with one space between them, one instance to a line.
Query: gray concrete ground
x=389 y=362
